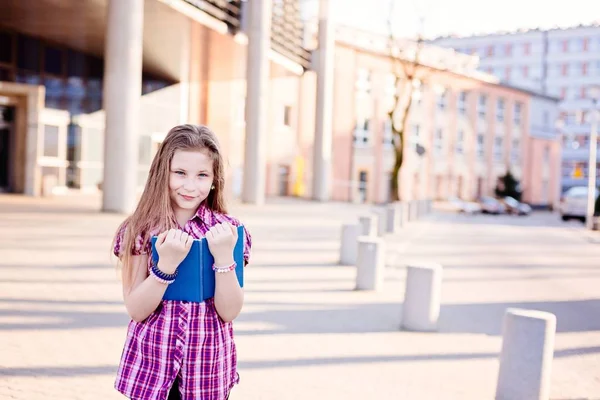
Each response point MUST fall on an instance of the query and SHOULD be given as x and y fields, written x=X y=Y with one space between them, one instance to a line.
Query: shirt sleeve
x=139 y=246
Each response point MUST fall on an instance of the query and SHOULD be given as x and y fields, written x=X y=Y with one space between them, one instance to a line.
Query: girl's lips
x=187 y=197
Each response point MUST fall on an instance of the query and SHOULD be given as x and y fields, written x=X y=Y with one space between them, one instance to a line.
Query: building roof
x=437 y=57
x=595 y=24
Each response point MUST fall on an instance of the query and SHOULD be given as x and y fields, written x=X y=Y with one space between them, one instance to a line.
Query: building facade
x=53 y=74
x=561 y=63
x=473 y=129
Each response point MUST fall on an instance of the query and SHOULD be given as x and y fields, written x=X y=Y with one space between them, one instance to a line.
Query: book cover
x=195 y=277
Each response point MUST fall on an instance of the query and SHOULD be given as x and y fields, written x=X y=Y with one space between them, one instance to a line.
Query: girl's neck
x=183 y=216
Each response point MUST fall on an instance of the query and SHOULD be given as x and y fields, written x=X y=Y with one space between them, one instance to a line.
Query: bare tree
x=409 y=74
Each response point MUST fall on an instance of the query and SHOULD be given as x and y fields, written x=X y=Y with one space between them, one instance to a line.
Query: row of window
x=575 y=169
x=573 y=45
x=364 y=100
x=577 y=69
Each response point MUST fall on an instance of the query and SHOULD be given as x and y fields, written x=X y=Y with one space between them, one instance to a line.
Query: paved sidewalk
x=304 y=333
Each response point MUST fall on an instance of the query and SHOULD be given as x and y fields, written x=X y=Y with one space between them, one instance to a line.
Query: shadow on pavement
x=484 y=318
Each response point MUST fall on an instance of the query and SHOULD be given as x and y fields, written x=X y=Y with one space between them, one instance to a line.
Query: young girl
x=177 y=349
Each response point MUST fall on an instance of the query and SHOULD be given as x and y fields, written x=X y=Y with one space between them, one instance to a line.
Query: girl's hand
x=221 y=240
x=172 y=247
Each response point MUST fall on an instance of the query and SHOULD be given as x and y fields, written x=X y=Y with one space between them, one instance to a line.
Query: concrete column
x=324 y=111
x=421 y=308
x=370 y=263
x=122 y=92
x=257 y=90
x=349 y=245
x=526 y=356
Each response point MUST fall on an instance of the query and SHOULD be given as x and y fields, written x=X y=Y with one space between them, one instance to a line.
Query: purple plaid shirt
x=180 y=339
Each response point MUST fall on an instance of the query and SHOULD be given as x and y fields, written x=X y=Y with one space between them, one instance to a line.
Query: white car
x=573 y=204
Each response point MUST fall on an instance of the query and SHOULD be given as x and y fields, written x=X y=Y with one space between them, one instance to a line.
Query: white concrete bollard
x=368 y=224
x=403 y=217
x=392 y=214
x=381 y=221
x=370 y=263
x=526 y=356
x=349 y=245
x=414 y=210
x=421 y=308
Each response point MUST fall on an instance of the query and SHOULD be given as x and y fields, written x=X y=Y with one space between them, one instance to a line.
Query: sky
x=461 y=17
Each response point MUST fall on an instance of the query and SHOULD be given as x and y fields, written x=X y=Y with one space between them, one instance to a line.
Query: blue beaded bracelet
x=163 y=275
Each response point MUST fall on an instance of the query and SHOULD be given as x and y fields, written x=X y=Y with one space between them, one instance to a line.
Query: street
x=305 y=333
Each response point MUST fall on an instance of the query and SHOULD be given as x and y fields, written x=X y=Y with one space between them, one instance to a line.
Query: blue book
x=195 y=280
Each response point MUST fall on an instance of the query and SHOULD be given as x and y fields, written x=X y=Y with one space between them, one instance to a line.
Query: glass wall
x=73 y=81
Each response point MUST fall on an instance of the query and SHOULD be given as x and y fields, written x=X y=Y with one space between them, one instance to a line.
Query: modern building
x=176 y=61
x=563 y=63
x=472 y=127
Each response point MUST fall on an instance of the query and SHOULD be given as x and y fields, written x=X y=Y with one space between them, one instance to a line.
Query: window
x=51 y=144
x=28 y=53
x=584 y=68
x=489 y=52
x=508 y=50
x=415 y=133
x=287 y=116
x=518 y=108
x=53 y=60
x=585 y=44
x=565 y=46
x=546 y=120
x=460 y=138
x=462 y=103
x=438 y=141
x=388 y=135
x=507 y=71
x=582 y=92
x=564 y=93
x=500 y=110
x=526 y=48
x=363 y=80
x=76 y=63
x=442 y=99
x=482 y=105
x=498 y=143
x=515 y=150
x=6 y=47
x=480 y=147
x=564 y=69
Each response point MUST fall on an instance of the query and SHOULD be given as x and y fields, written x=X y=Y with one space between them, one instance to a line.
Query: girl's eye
x=180 y=173
x=203 y=175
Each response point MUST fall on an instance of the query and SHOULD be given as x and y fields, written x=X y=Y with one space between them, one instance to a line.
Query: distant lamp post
x=595 y=117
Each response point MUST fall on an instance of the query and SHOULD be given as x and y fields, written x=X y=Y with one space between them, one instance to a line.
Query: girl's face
x=190 y=180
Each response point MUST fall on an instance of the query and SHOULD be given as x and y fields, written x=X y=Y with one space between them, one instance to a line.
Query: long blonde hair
x=154 y=212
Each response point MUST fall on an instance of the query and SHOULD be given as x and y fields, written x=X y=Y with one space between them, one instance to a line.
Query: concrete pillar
x=370 y=263
x=257 y=84
x=421 y=308
x=368 y=225
x=122 y=93
x=349 y=245
x=324 y=111
x=526 y=356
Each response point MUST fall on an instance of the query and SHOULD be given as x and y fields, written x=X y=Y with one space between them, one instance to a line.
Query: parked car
x=462 y=206
x=490 y=205
x=515 y=207
x=573 y=203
